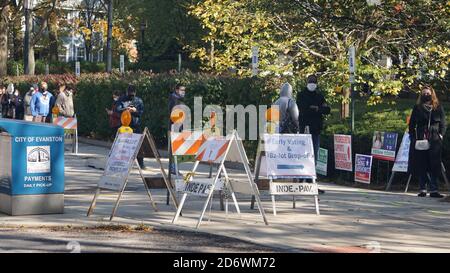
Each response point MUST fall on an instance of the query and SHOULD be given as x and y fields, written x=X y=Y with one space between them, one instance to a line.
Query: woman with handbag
x=427 y=128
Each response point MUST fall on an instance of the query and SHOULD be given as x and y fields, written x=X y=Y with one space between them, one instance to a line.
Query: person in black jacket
x=175 y=98
x=427 y=123
x=135 y=105
x=312 y=110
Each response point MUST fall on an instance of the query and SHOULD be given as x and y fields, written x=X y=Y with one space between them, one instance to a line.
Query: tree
x=314 y=36
x=4 y=20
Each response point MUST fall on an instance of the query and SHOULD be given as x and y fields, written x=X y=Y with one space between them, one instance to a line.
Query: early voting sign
x=363 y=168
x=384 y=146
x=322 y=162
x=120 y=161
x=401 y=163
x=343 y=152
x=289 y=156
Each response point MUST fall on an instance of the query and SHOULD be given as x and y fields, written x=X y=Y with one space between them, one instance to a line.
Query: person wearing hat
x=27 y=101
x=313 y=108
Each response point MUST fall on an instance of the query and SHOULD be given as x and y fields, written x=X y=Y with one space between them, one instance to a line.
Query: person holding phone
x=135 y=105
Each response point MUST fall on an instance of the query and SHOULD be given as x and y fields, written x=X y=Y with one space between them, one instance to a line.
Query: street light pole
x=26 y=45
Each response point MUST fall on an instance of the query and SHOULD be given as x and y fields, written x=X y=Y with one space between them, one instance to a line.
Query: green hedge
x=94 y=95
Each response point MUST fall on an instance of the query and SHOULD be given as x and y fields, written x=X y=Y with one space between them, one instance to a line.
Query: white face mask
x=182 y=94
x=16 y=94
x=312 y=87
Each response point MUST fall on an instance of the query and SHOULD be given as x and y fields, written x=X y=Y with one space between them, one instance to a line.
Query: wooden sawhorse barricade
x=217 y=150
x=70 y=126
x=122 y=158
x=287 y=157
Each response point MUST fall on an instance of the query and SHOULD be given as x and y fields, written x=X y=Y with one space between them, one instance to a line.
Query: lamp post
x=143 y=28
x=27 y=6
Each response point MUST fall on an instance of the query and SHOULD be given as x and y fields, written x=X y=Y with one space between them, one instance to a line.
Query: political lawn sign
x=343 y=152
x=401 y=162
x=363 y=168
x=322 y=162
x=384 y=146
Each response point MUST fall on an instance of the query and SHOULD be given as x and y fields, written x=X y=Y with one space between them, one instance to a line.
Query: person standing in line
x=19 y=111
x=427 y=126
x=113 y=115
x=64 y=102
x=2 y=94
x=40 y=104
x=27 y=103
x=135 y=105
x=52 y=101
x=176 y=98
x=9 y=103
x=288 y=111
x=313 y=108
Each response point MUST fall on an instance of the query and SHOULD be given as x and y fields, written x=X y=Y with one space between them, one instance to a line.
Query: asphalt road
x=119 y=239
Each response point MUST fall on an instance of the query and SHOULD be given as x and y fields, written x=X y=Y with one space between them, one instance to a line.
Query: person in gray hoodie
x=288 y=111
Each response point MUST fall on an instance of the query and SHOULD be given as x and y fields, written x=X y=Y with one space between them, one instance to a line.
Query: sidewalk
x=352 y=220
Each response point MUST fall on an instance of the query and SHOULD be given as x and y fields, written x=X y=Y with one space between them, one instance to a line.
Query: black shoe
x=422 y=194
x=321 y=191
x=143 y=168
x=436 y=195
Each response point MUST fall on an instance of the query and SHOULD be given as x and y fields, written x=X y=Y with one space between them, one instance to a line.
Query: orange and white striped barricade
x=70 y=126
x=217 y=150
x=185 y=143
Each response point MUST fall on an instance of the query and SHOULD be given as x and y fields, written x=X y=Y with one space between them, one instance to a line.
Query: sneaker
x=422 y=194
x=436 y=195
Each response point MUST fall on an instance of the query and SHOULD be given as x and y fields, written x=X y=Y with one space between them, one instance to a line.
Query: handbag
x=423 y=145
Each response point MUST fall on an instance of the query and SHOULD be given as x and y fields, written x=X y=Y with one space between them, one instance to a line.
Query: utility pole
x=28 y=26
x=352 y=66
x=109 y=40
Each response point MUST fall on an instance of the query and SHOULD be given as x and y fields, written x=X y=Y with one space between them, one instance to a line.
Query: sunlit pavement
x=352 y=220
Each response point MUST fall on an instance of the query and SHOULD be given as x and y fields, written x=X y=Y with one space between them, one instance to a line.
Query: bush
x=94 y=95
x=15 y=67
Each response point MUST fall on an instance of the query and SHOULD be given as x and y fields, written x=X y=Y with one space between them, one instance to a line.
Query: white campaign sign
x=303 y=189
x=199 y=186
x=289 y=156
x=401 y=162
x=120 y=161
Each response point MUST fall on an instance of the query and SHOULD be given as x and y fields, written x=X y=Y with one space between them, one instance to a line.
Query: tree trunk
x=53 y=37
x=109 y=40
x=28 y=45
x=4 y=41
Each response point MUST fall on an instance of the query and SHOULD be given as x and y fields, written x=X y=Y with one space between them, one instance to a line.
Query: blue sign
x=37 y=158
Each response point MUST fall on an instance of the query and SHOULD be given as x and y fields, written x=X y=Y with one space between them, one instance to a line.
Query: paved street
x=352 y=220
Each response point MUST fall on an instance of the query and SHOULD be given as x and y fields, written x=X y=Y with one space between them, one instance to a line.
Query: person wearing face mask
x=9 y=103
x=427 y=124
x=19 y=111
x=135 y=105
x=64 y=101
x=312 y=110
x=113 y=115
x=40 y=104
x=175 y=98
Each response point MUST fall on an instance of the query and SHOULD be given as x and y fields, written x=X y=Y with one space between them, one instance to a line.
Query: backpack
x=287 y=125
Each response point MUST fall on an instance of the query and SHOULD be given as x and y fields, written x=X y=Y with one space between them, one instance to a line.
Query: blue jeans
x=432 y=183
